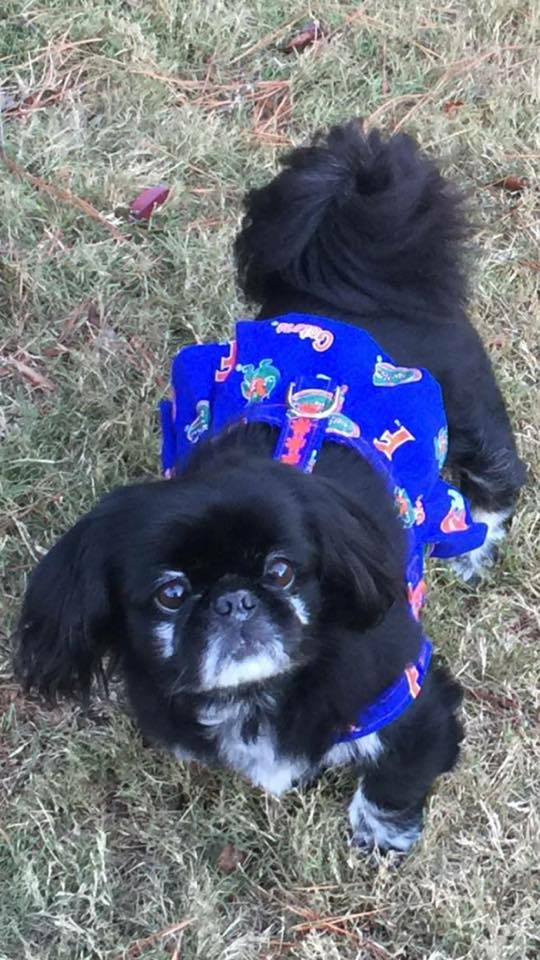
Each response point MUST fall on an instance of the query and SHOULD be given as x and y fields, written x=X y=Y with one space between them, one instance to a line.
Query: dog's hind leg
x=484 y=460
x=491 y=479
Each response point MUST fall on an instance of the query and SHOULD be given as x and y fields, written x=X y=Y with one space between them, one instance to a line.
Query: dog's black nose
x=239 y=604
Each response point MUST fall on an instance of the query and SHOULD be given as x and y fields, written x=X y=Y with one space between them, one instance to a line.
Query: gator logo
x=387 y=375
x=455 y=520
x=315 y=403
x=406 y=511
x=440 y=444
x=343 y=426
x=200 y=424
x=258 y=382
x=410 y=515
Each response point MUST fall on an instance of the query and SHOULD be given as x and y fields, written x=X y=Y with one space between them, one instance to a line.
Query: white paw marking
x=477 y=562
x=375 y=827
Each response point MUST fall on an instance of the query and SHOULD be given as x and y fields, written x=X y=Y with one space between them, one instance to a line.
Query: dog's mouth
x=243 y=654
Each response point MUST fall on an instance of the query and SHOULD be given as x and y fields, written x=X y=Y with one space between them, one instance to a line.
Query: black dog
x=258 y=610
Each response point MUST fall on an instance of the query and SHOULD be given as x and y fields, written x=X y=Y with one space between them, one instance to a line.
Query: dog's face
x=242 y=627
x=210 y=583
x=229 y=588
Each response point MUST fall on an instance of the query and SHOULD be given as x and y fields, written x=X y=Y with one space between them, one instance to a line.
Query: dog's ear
x=68 y=621
x=361 y=555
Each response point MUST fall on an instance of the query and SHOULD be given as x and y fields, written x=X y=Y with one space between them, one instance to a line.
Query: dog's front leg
x=387 y=808
x=385 y=827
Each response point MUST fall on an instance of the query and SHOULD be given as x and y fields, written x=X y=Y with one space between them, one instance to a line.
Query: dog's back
x=367 y=230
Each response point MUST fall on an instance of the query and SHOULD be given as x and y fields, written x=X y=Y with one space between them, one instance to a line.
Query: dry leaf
x=451 y=106
x=230 y=858
x=143 y=206
x=306 y=36
x=512 y=183
x=30 y=374
x=497 y=341
x=93 y=317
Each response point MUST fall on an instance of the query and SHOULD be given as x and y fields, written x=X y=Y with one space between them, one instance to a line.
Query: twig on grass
x=176 y=954
x=266 y=40
x=27 y=372
x=271 y=115
x=63 y=195
x=497 y=700
x=208 y=92
x=315 y=920
x=45 y=97
x=460 y=66
x=260 y=90
x=137 y=948
x=337 y=925
x=392 y=102
x=203 y=222
x=42 y=52
x=358 y=14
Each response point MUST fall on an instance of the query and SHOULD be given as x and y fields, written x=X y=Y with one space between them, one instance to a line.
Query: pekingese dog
x=264 y=598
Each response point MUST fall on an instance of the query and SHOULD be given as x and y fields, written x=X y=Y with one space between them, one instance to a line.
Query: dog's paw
x=385 y=829
x=473 y=566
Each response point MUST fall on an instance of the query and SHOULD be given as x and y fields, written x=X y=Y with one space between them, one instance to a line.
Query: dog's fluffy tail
x=362 y=224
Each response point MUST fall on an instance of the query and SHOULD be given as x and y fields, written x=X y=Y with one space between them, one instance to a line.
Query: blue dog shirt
x=317 y=381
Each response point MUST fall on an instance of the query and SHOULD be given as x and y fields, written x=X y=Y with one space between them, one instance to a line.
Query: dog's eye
x=169 y=595
x=279 y=573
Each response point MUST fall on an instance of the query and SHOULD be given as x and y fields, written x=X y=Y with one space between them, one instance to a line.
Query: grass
x=107 y=844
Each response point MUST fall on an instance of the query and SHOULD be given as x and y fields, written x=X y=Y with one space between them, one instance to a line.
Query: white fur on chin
x=220 y=670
